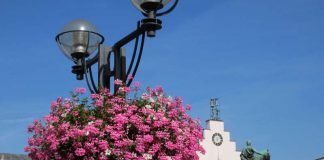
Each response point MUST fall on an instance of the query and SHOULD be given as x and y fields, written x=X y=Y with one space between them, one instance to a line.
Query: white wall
x=226 y=151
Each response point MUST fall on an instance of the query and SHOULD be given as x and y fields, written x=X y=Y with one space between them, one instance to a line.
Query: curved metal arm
x=93 y=60
x=138 y=59
x=87 y=79
x=92 y=81
x=134 y=52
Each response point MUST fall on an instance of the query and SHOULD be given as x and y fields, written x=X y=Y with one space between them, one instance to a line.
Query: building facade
x=217 y=142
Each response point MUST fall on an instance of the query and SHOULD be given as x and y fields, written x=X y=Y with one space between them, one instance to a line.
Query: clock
x=217 y=139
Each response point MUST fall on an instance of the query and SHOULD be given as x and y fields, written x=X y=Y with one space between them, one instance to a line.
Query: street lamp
x=80 y=39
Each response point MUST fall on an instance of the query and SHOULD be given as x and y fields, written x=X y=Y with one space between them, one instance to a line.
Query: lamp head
x=146 y=6
x=79 y=39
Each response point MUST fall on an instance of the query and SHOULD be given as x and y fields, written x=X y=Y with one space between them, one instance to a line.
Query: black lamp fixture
x=79 y=40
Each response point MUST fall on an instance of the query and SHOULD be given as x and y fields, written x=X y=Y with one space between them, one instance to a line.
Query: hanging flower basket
x=109 y=127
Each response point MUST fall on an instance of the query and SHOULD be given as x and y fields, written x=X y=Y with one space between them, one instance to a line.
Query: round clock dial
x=217 y=139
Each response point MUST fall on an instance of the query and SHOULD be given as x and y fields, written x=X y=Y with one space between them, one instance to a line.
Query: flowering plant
x=152 y=126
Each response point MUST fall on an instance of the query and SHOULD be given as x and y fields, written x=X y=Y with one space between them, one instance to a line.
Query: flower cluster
x=109 y=127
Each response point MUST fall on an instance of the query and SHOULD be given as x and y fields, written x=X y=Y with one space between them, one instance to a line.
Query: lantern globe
x=79 y=37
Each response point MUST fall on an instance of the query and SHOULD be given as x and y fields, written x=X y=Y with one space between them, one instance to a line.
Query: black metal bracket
x=147 y=25
x=151 y=25
x=79 y=71
x=78 y=68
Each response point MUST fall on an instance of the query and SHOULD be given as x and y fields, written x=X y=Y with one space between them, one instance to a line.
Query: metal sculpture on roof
x=214 y=109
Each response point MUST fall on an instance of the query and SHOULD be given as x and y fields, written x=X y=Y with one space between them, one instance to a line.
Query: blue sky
x=263 y=59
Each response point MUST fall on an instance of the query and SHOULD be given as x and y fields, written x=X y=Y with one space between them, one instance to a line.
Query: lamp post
x=80 y=39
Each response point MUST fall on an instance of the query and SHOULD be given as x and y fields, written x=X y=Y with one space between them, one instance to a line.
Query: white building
x=217 y=142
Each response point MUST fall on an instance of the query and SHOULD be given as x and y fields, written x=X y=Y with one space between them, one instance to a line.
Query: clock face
x=217 y=139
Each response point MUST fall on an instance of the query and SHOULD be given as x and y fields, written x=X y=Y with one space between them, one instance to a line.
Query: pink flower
x=146 y=96
x=170 y=145
x=161 y=134
x=140 y=148
x=54 y=105
x=120 y=118
x=124 y=89
x=188 y=107
x=115 y=135
x=118 y=82
x=79 y=152
x=51 y=119
x=95 y=96
x=80 y=90
x=156 y=147
x=144 y=128
x=159 y=90
x=137 y=84
x=98 y=122
x=157 y=124
x=130 y=77
x=98 y=103
x=148 y=138
x=91 y=129
x=103 y=145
